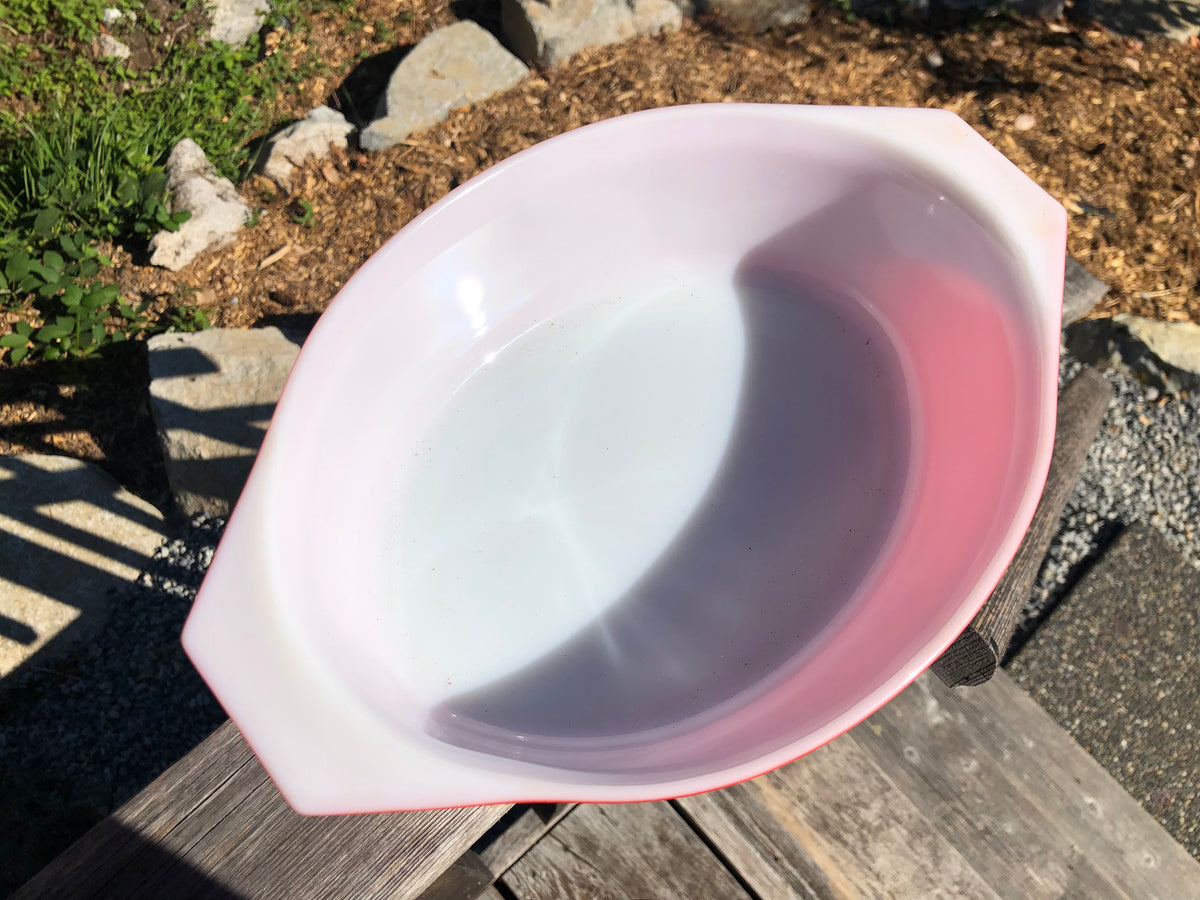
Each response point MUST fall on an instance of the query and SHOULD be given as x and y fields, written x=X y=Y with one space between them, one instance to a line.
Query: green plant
x=77 y=19
x=847 y=10
x=186 y=317
x=383 y=32
x=305 y=215
x=82 y=146
x=71 y=309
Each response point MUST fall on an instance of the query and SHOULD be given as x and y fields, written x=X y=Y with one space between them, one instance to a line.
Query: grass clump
x=82 y=148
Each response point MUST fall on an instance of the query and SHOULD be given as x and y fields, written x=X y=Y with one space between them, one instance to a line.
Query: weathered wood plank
x=214 y=825
x=976 y=653
x=832 y=826
x=466 y=879
x=1062 y=777
x=617 y=852
x=107 y=849
x=1019 y=847
x=510 y=842
x=1081 y=292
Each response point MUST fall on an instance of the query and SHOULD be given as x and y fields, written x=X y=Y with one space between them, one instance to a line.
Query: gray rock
x=759 y=15
x=212 y=393
x=112 y=15
x=233 y=21
x=218 y=213
x=1164 y=356
x=547 y=33
x=456 y=65
x=70 y=538
x=1175 y=343
x=1176 y=19
x=310 y=138
x=108 y=47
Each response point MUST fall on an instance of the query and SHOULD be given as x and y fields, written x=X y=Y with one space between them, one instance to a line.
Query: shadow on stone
x=1176 y=19
x=485 y=13
x=213 y=394
x=360 y=95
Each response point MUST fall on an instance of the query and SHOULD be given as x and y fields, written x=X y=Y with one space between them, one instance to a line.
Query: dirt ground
x=1106 y=124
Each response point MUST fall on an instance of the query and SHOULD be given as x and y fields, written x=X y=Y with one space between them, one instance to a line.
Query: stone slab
x=1176 y=19
x=452 y=67
x=1117 y=664
x=70 y=539
x=212 y=394
x=547 y=33
x=309 y=138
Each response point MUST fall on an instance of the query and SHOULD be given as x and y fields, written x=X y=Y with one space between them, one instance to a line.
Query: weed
x=305 y=215
x=187 y=317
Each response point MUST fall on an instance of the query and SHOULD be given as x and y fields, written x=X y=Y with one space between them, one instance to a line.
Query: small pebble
x=1024 y=122
x=934 y=60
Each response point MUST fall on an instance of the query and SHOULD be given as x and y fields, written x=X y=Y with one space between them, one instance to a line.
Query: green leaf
x=53 y=261
x=153 y=185
x=109 y=293
x=119 y=336
x=16 y=266
x=48 y=333
x=3 y=283
x=68 y=246
x=48 y=289
x=52 y=353
x=30 y=283
x=98 y=334
x=95 y=298
x=14 y=340
x=71 y=296
x=18 y=354
x=44 y=222
x=88 y=268
x=127 y=190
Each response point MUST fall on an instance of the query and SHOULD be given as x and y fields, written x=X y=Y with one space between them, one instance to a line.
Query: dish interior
x=647 y=470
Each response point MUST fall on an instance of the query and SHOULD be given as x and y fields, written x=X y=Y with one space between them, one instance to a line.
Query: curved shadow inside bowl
x=805 y=498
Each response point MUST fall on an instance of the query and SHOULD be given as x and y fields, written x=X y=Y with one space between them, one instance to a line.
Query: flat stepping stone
x=455 y=65
x=71 y=539
x=1176 y=19
x=212 y=394
x=1116 y=664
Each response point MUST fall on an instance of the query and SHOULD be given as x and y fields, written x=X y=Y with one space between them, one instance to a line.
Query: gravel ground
x=82 y=734
x=80 y=737
x=1143 y=467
